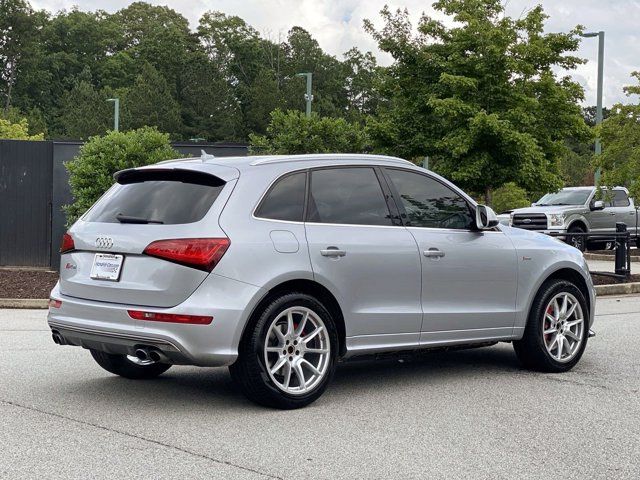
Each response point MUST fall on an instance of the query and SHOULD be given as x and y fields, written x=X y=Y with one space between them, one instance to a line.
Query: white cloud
x=337 y=25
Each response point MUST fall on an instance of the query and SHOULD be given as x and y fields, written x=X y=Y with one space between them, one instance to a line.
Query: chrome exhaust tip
x=57 y=338
x=158 y=356
x=142 y=354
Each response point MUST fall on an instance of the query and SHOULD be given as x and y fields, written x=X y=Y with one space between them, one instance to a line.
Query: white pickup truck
x=576 y=210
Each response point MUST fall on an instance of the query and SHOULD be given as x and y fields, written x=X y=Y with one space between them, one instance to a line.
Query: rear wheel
x=557 y=329
x=578 y=241
x=129 y=367
x=287 y=356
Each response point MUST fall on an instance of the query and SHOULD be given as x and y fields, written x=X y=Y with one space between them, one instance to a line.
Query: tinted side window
x=285 y=200
x=429 y=203
x=347 y=195
x=620 y=199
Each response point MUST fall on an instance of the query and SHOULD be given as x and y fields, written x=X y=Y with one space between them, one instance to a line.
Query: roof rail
x=308 y=158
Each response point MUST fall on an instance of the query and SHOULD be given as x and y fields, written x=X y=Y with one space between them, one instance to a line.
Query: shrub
x=17 y=131
x=508 y=197
x=91 y=172
x=292 y=132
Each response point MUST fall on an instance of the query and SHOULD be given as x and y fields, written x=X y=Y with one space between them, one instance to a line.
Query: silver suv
x=280 y=266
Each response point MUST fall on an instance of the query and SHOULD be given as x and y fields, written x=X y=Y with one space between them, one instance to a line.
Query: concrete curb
x=608 y=258
x=24 y=303
x=618 y=289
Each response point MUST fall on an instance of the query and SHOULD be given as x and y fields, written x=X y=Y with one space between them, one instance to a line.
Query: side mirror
x=485 y=218
x=597 y=205
x=533 y=204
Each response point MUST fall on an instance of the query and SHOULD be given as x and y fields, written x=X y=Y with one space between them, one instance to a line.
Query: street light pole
x=116 y=113
x=600 y=36
x=307 y=96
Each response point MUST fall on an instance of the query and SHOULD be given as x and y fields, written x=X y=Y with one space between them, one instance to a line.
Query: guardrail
x=622 y=239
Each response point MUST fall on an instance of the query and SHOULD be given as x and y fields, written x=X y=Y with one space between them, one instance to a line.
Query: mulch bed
x=606 y=280
x=26 y=283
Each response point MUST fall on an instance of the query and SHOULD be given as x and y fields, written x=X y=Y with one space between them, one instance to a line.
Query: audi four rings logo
x=104 y=242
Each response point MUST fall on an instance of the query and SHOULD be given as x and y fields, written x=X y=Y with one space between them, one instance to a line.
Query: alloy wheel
x=297 y=350
x=563 y=327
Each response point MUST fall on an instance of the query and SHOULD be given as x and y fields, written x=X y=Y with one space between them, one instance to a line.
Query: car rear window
x=162 y=197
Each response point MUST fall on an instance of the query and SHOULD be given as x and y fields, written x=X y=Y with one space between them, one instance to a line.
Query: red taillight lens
x=170 y=317
x=67 y=243
x=201 y=253
x=53 y=303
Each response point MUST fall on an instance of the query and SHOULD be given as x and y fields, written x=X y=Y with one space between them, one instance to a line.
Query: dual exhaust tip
x=58 y=339
x=150 y=355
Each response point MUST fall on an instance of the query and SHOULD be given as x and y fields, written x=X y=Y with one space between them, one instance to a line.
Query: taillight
x=201 y=253
x=67 y=243
x=53 y=303
x=170 y=317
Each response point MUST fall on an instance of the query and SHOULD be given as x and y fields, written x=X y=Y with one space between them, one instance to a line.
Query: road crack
x=139 y=437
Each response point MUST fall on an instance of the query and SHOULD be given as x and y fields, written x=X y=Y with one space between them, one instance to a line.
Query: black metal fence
x=34 y=185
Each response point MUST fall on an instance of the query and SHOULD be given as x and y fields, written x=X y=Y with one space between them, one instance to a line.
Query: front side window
x=347 y=195
x=428 y=203
x=285 y=200
x=620 y=199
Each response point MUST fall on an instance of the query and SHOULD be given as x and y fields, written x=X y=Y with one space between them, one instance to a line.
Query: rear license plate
x=107 y=267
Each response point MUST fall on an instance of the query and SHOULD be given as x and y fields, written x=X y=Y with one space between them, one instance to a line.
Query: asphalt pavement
x=465 y=414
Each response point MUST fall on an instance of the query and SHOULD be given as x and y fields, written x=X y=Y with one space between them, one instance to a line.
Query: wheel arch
x=309 y=287
x=571 y=275
x=578 y=222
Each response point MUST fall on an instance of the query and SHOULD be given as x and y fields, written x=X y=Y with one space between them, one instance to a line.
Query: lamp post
x=600 y=36
x=116 y=113
x=307 y=96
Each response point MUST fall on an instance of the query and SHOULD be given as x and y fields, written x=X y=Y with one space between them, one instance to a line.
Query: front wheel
x=287 y=357
x=557 y=329
x=578 y=241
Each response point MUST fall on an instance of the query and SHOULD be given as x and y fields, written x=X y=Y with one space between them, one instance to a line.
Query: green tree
x=508 y=197
x=480 y=97
x=620 y=135
x=292 y=132
x=85 y=111
x=91 y=172
x=17 y=131
x=149 y=102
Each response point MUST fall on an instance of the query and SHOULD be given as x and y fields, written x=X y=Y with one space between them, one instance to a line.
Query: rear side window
x=347 y=195
x=159 y=197
x=620 y=199
x=285 y=199
x=428 y=203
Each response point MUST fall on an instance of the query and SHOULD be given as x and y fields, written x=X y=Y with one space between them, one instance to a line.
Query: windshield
x=565 y=197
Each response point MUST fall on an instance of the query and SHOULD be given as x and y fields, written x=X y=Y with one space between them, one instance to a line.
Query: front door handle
x=612 y=213
x=334 y=252
x=433 y=253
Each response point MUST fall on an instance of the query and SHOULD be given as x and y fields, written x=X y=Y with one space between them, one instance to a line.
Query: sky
x=338 y=26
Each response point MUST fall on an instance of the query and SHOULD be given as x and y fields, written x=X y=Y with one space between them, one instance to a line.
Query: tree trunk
x=488 y=196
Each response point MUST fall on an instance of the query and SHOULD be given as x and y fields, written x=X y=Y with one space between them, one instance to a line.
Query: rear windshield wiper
x=129 y=219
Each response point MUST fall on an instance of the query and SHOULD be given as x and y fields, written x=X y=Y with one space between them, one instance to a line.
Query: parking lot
x=471 y=413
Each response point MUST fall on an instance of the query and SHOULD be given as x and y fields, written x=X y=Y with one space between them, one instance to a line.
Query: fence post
x=622 y=249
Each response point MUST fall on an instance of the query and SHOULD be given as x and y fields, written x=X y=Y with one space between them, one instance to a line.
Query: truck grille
x=530 y=221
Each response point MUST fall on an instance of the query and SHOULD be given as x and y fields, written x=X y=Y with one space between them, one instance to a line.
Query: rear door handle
x=433 y=253
x=334 y=252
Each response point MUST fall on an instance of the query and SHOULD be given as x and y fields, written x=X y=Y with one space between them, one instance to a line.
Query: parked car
x=278 y=266
x=576 y=210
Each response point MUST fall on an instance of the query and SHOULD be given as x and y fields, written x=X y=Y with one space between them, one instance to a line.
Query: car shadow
x=213 y=387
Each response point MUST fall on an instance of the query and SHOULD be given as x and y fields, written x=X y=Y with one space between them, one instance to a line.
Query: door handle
x=334 y=252
x=433 y=253
x=612 y=213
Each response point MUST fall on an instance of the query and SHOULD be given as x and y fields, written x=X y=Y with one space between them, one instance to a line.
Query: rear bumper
x=107 y=326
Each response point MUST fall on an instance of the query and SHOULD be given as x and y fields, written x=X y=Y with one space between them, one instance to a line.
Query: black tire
x=531 y=350
x=249 y=371
x=578 y=241
x=121 y=365
x=597 y=246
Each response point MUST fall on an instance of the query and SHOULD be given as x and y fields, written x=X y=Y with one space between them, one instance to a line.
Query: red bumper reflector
x=170 y=317
x=54 y=303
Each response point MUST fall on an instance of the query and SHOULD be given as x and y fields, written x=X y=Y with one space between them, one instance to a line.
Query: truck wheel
x=287 y=356
x=557 y=329
x=578 y=241
x=129 y=367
